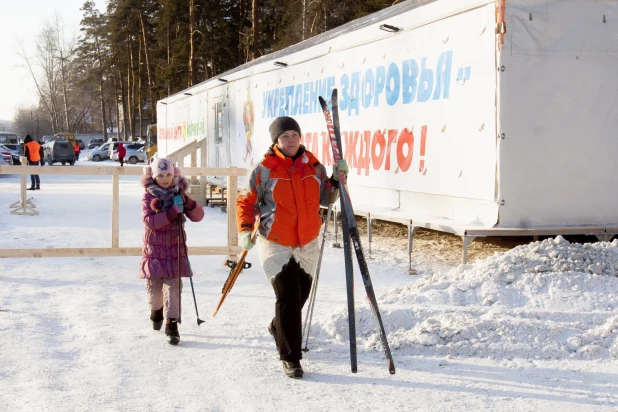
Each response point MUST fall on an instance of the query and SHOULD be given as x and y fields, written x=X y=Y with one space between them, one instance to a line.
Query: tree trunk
x=241 y=32
x=140 y=98
x=192 y=61
x=124 y=98
x=101 y=88
x=64 y=93
x=254 y=24
x=148 y=70
x=169 y=62
x=102 y=97
x=130 y=102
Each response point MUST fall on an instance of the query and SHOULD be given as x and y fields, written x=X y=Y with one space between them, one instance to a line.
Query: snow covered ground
x=532 y=329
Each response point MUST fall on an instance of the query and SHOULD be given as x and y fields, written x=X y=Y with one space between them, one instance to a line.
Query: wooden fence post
x=194 y=164
x=203 y=179
x=115 y=210
x=232 y=192
x=23 y=206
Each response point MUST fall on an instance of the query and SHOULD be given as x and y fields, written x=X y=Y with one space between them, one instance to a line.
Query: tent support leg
x=336 y=229
x=411 y=230
x=466 y=242
x=369 y=221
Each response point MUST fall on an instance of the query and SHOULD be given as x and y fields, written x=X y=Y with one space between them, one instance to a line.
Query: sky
x=534 y=328
x=22 y=22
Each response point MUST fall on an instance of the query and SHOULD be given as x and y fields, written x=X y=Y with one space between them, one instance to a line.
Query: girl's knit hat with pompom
x=160 y=165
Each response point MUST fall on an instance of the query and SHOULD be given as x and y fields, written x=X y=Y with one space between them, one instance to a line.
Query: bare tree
x=52 y=72
x=32 y=120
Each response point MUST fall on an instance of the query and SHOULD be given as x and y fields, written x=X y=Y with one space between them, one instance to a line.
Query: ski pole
x=179 y=274
x=307 y=326
x=184 y=243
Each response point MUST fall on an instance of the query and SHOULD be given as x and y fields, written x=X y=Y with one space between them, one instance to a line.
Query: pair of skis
x=350 y=234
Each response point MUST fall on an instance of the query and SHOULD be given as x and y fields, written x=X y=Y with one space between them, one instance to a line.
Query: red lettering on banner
x=310 y=141
x=364 y=157
x=351 y=141
x=392 y=138
x=314 y=143
x=421 y=166
x=378 y=141
x=406 y=138
x=364 y=150
x=360 y=164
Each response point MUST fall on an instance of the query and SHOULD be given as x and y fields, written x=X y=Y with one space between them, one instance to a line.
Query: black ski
x=347 y=248
x=349 y=228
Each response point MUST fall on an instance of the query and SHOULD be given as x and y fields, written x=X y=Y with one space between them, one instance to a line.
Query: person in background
x=122 y=152
x=41 y=152
x=287 y=188
x=77 y=150
x=32 y=151
x=163 y=204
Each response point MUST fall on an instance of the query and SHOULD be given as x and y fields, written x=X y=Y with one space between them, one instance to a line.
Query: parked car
x=114 y=149
x=59 y=151
x=6 y=158
x=95 y=142
x=135 y=154
x=102 y=152
x=16 y=150
x=129 y=147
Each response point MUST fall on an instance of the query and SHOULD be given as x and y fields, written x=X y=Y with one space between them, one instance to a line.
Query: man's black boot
x=293 y=369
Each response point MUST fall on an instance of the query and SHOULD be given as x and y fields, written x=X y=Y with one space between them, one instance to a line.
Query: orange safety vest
x=33 y=151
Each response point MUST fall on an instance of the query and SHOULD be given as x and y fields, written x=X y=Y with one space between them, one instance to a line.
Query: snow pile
x=544 y=300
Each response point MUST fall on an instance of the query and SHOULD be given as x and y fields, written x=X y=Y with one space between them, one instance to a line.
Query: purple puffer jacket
x=160 y=251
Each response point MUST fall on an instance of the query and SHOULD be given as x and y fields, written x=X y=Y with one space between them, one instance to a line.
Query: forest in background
x=139 y=51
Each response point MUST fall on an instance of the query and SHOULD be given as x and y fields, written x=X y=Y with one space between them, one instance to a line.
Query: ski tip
x=322 y=101
x=391 y=368
x=334 y=95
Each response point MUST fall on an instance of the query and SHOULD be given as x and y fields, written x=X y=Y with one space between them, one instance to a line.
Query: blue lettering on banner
x=380 y=81
x=392 y=84
x=405 y=82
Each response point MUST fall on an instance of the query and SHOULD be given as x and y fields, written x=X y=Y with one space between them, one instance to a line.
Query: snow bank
x=545 y=300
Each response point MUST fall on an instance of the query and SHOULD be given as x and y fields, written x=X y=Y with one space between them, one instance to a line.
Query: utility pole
x=64 y=92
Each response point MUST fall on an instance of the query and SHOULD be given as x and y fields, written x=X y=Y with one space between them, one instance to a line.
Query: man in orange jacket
x=287 y=188
x=77 y=150
x=32 y=150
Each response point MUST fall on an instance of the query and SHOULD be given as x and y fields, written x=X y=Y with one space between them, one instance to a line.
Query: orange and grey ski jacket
x=288 y=194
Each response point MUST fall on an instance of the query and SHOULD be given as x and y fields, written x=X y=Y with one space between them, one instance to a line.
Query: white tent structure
x=475 y=117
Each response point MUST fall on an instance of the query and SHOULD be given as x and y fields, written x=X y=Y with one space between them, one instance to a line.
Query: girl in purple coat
x=164 y=206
